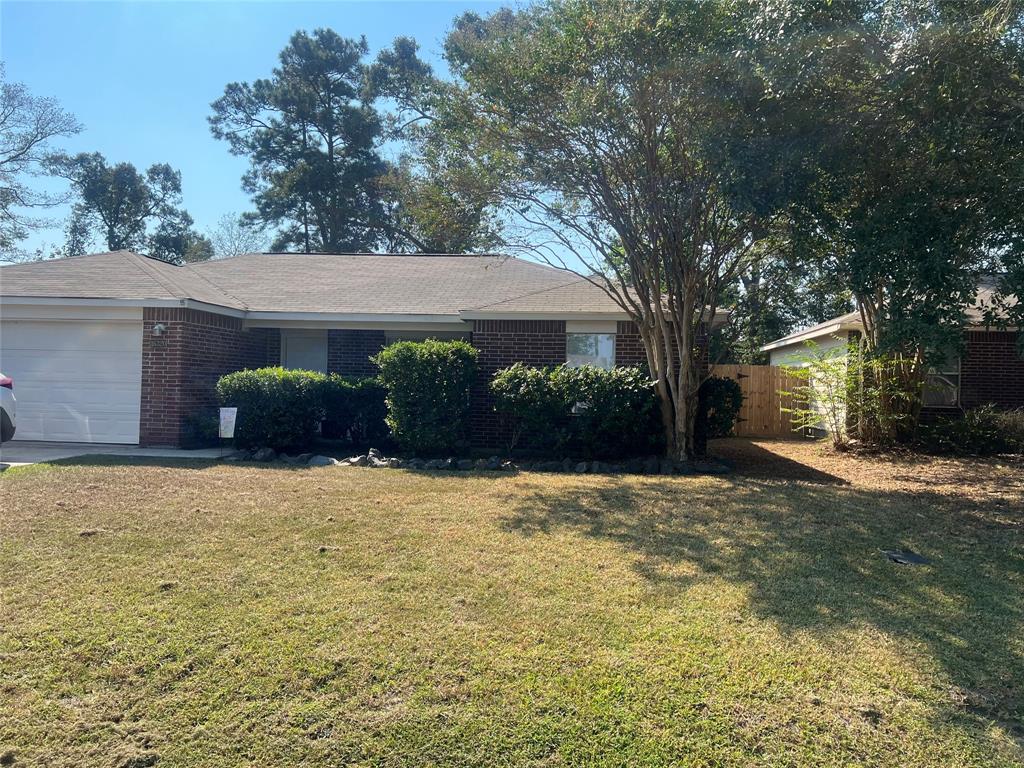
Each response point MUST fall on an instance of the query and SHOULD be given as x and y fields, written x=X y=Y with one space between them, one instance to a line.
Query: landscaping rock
x=480 y=464
x=464 y=464
x=508 y=466
x=493 y=464
x=599 y=468
x=582 y=468
x=566 y=465
x=374 y=453
x=395 y=463
x=321 y=461
x=448 y=463
x=377 y=461
x=634 y=466
x=303 y=458
x=264 y=454
x=414 y=464
x=239 y=456
x=548 y=466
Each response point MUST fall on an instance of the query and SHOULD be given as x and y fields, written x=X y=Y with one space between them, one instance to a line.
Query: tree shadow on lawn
x=808 y=555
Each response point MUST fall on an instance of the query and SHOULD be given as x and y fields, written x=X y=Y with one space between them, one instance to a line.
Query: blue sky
x=140 y=76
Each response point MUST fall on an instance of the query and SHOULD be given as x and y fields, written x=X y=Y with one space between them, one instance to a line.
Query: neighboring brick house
x=118 y=347
x=988 y=370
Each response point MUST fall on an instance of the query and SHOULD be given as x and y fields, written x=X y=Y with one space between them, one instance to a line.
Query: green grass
x=226 y=615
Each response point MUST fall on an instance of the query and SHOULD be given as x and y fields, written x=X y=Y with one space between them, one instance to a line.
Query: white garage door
x=74 y=381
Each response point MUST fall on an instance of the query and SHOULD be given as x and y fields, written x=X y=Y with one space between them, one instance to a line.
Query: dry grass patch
x=241 y=615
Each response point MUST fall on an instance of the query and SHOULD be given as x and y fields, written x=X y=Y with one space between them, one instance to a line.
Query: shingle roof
x=377 y=284
x=975 y=315
x=579 y=295
x=317 y=283
x=115 y=275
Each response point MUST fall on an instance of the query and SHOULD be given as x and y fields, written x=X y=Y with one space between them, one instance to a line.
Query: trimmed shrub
x=614 y=413
x=532 y=407
x=277 y=408
x=718 y=405
x=428 y=393
x=978 y=432
x=586 y=411
x=354 y=410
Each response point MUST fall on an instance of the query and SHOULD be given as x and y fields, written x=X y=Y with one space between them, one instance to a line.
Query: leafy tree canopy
x=127 y=209
x=28 y=125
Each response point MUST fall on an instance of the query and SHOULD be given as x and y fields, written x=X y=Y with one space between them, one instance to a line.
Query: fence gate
x=761 y=414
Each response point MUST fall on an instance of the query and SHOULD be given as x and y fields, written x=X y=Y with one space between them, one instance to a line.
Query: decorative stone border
x=652 y=465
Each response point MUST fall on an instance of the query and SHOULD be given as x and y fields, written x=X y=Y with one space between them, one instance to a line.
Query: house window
x=942 y=383
x=304 y=349
x=597 y=349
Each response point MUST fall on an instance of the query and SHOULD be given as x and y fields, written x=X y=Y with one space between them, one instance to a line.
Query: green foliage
x=428 y=393
x=912 y=112
x=128 y=209
x=819 y=400
x=718 y=407
x=585 y=411
x=287 y=409
x=312 y=144
x=604 y=124
x=847 y=393
x=354 y=410
x=978 y=432
x=532 y=407
x=277 y=408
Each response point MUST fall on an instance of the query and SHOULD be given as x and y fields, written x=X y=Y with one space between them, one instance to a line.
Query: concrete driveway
x=22 y=452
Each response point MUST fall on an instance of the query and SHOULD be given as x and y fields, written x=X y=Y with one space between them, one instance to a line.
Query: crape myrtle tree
x=601 y=123
x=917 y=183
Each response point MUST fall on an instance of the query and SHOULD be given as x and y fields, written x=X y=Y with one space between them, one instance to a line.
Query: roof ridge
x=377 y=253
x=154 y=273
x=192 y=270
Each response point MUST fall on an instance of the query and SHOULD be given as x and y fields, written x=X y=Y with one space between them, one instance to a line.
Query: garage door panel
x=78 y=381
x=89 y=364
x=85 y=399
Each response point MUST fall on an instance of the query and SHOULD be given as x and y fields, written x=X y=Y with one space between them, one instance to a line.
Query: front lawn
x=244 y=615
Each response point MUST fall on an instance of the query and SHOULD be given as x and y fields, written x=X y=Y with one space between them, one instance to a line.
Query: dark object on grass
x=905 y=557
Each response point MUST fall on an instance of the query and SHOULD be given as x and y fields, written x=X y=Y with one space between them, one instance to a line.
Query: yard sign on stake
x=227 y=423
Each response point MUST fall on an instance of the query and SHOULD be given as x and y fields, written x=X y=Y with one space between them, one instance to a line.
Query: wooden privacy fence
x=761 y=414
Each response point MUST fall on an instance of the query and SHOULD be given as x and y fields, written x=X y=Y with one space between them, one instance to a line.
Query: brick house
x=121 y=348
x=988 y=370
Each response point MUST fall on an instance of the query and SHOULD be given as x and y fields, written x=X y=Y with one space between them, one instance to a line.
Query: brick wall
x=180 y=367
x=992 y=370
x=501 y=343
x=629 y=347
x=349 y=351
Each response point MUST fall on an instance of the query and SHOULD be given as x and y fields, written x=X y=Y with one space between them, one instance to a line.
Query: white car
x=8 y=409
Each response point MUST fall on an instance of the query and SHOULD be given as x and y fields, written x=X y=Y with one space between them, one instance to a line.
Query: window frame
x=611 y=357
x=943 y=372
